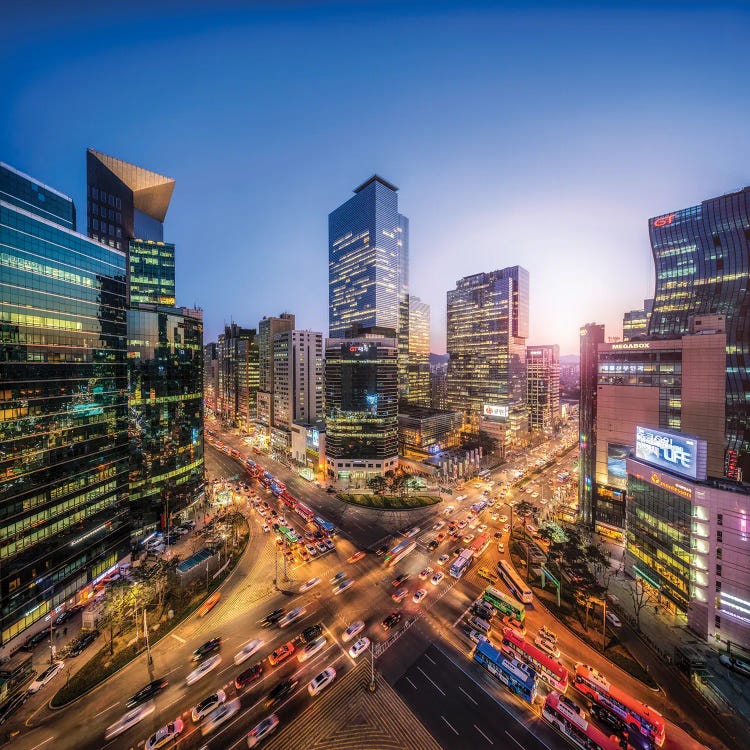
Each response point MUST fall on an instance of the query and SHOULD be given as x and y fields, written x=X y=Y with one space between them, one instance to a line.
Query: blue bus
x=276 y=489
x=323 y=525
x=517 y=677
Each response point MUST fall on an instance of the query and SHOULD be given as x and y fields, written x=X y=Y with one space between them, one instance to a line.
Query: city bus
x=302 y=510
x=288 y=500
x=573 y=725
x=484 y=474
x=401 y=550
x=636 y=715
x=276 y=488
x=325 y=526
x=549 y=670
x=480 y=544
x=518 y=678
x=517 y=587
x=477 y=508
x=461 y=564
x=289 y=534
x=504 y=604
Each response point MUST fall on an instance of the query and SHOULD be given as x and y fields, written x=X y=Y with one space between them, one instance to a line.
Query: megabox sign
x=675 y=453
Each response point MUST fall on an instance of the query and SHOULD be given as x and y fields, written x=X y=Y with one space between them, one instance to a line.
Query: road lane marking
x=449 y=724
x=432 y=681
x=411 y=683
x=49 y=739
x=104 y=710
x=514 y=739
x=431 y=660
x=177 y=638
x=467 y=695
x=484 y=735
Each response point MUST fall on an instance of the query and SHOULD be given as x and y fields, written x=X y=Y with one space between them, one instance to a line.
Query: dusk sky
x=543 y=138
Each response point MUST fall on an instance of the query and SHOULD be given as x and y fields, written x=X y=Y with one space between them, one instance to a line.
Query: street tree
x=120 y=601
x=637 y=591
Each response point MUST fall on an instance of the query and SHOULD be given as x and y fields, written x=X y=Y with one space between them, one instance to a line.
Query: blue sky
x=542 y=137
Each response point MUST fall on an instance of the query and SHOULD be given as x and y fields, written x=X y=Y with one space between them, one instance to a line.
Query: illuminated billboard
x=671 y=451
x=488 y=410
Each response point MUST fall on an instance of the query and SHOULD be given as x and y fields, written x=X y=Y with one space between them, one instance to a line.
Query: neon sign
x=663 y=221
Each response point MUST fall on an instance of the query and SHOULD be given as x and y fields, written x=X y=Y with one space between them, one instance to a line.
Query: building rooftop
x=376 y=178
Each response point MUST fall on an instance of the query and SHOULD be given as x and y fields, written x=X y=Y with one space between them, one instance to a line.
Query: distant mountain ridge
x=438 y=359
x=570 y=359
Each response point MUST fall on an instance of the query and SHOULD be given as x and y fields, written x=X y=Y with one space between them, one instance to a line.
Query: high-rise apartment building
x=543 y=386
x=210 y=374
x=361 y=406
x=488 y=324
x=368 y=267
x=64 y=427
x=239 y=375
x=591 y=335
x=702 y=261
x=419 y=352
x=635 y=322
x=267 y=330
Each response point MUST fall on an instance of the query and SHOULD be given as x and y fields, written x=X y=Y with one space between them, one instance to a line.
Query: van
x=483 y=610
x=479 y=624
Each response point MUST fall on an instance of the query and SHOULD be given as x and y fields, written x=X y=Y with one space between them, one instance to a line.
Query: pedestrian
x=65 y=630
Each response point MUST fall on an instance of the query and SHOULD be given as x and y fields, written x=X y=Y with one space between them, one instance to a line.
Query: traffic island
x=389 y=502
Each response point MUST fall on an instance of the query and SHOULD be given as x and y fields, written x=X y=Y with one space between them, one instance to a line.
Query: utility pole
x=604 y=624
x=148 y=646
x=372 y=685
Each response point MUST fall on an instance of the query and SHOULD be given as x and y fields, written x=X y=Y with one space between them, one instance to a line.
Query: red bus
x=288 y=500
x=636 y=715
x=480 y=544
x=571 y=722
x=306 y=513
x=549 y=670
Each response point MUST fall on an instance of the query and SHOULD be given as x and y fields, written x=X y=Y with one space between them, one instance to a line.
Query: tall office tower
x=488 y=323
x=591 y=335
x=64 y=428
x=438 y=387
x=267 y=329
x=702 y=263
x=361 y=407
x=543 y=386
x=238 y=348
x=298 y=383
x=151 y=272
x=635 y=322
x=419 y=352
x=368 y=267
x=210 y=375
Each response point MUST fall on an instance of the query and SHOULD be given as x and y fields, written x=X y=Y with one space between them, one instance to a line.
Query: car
x=330 y=490
x=613 y=620
x=468 y=538
x=280 y=691
x=128 y=720
x=735 y=664
x=391 y=620
x=311 y=649
x=457 y=551
x=419 y=594
x=47 y=676
x=339 y=576
x=307 y=585
x=248 y=676
x=329 y=545
x=33 y=641
x=321 y=548
x=433 y=545
x=380 y=551
x=356 y=557
x=461 y=524
x=321 y=681
x=266 y=528
x=436 y=578
x=209 y=647
x=359 y=647
x=291 y=617
x=487 y=574
x=84 y=640
x=342 y=586
x=516 y=625
x=481 y=528
x=220 y=715
x=247 y=650
x=506 y=528
x=441 y=537
x=550 y=635
x=448 y=510
x=311 y=550
x=147 y=692
x=398 y=580
x=164 y=736
x=271 y=618
x=310 y=633
x=547 y=646
x=208 y=704
x=282 y=653
x=399 y=595
x=439 y=525
x=483 y=609
x=476 y=636
x=425 y=573
x=206 y=666
x=258 y=733
x=353 y=630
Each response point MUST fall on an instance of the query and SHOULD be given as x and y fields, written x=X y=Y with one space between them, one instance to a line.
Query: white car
x=425 y=573
x=290 y=617
x=203 y=669
x=503 y=519
x=311 y=550
x=51 y=672
x=220 y=715
x=165 y=735
x=329 y=543
x=353 y=630
x=247 y=651
x=435 y=580
x=449 y=509
x=468 y=538
x=130 y=719
x=266 y=528
x=613 y=620
x=482 y=528
x=321 y=681
x=439 y=525
x=208 y=704
x=360 y=646
x=311 y=649
x=441 y=561
x=547 y=646
x=307 y=585
x=342 y=586
x=501 y=547
x=419 y=594
x=506 y=528
x=262 y=730
x=462 y=524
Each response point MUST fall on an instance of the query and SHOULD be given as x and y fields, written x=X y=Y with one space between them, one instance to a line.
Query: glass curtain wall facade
x=368 y=267
x=151 y=272
x=543 y=386
x=239 y=375
x=419 y=353
x=267 y=330
x=702 y=262
x=165 y=351
x=635 y=322
x=63 y=419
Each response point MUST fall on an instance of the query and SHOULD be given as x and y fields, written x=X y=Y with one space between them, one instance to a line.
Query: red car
x=398 y=580
x=249 y=676
x=356 y=557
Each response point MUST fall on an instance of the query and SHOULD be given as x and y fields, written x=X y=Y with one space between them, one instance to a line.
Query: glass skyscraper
x=64 y=424
x=702 y=260
x=419 y=352
x=151 y=272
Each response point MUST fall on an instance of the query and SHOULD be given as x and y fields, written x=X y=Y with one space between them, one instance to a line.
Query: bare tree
x=638 y=597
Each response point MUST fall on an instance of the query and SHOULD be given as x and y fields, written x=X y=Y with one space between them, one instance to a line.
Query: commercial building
x=361 y=406
x=543 y=386
x=210 y=375
x=419 y=352
x=308 y=450
x=488 y=324
x=439 y=386
x=151 y=272
x=368 y=267
x=239 y=375
x=635 y=322
x=423 y=431
x=63 y=380
x=267 y=330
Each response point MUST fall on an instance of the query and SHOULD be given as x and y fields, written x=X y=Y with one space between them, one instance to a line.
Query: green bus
x=505 y=604
x=291 y=536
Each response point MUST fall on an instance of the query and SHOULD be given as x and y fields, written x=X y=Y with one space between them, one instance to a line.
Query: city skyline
x=486 y=179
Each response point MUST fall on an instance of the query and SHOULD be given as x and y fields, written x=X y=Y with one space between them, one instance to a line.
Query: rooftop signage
x=626 y=345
